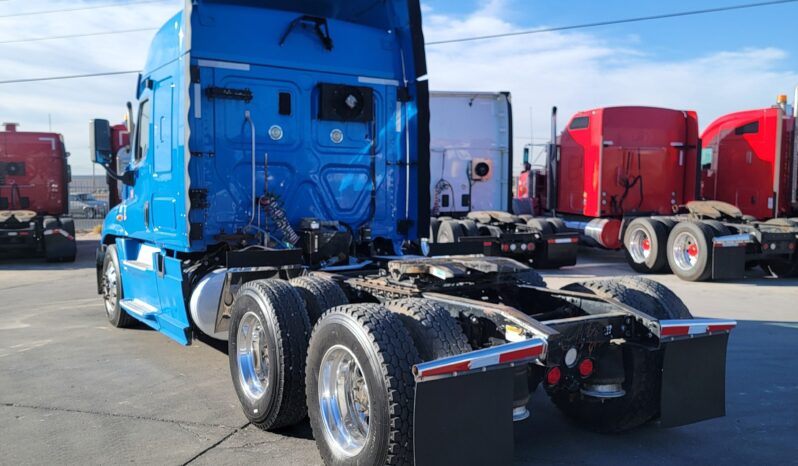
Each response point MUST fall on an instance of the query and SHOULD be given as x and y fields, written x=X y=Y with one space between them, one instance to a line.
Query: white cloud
x=580 y=70
x=72 y=103
x=575 y=70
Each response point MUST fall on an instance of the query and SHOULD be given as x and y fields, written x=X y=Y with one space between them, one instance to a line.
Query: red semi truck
x=34 y=181
x=631 y=178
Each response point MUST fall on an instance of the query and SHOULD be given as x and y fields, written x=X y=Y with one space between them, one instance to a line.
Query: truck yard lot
x=75 y=390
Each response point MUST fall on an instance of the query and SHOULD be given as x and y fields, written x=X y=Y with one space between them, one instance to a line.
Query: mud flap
x=555 y=251
x=693 y=380
x=465 y=420
x=728 y=263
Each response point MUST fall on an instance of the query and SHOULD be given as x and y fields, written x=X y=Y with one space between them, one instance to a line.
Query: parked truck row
x=642 y=180
x=278 y=184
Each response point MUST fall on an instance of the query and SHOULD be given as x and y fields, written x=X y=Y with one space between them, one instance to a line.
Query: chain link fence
x=88 y=201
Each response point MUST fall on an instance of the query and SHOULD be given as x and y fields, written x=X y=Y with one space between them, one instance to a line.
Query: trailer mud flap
x=693 y=380
x=465 y=420
x=555 y=251
x=728 y=262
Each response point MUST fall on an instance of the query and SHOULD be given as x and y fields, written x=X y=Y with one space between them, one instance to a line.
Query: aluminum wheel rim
x=685 y=251
x=639 y=246
x=253 y=357
x=344 y=400
x=109 y=290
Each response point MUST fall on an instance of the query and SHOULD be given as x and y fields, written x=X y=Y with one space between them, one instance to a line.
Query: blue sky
x=714 y=64
x=676 y=38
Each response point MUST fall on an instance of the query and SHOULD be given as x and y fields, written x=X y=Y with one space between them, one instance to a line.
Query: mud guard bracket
x=693 y=380
x=465 y=420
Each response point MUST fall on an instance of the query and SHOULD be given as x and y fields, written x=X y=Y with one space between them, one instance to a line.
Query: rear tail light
x=505 y=248
x=530 y=246
x=586 y=368
x=553 y=376
x=791 y=247
x=513 y=247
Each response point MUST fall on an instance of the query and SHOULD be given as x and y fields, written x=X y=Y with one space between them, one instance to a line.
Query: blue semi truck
x=277 y=188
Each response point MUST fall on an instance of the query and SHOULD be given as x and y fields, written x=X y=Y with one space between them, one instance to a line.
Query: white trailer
x=471 y=147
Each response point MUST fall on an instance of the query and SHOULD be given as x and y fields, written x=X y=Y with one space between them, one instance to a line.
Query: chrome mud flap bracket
x=693 y=370
x=463 y=411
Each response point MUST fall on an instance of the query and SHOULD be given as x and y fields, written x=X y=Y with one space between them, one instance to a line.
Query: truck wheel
x=644 y=245
x=91 y=213
x=436 y=334
x=470 y=227
x=434 y=226
x=450 y=231
x=267 y=345
x=719 y=228
x=319 y=294
x=690 y=251
x=111 y=285
x=541 y=225
x=490 y=230
x=360 y=387
x=672 y=307
x=557 y=224
x=640 y=403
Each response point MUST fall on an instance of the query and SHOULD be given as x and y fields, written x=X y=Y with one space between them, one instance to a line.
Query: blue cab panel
x=326 y=92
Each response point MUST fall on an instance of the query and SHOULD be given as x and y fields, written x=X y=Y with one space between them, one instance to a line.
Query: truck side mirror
x=100 y=142
x=526 y=154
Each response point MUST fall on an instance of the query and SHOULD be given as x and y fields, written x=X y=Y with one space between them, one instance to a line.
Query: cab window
x=580 y=123
x=143 y=130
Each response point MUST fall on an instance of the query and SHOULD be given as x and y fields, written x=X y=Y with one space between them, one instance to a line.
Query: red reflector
x=23 y=233
x=553 y=376
x=520 y=354
x=530 y=246
x=675 y=330
x=586 y=368
x=457 y=367
x=719 y=328
x=505 y=248
x=487 y=244
x=791 y=247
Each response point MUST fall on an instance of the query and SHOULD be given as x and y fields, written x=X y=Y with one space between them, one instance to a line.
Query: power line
x=72 y=76
x=66 y=10
x=463 y=39
x=74 y=36
x=617 y=21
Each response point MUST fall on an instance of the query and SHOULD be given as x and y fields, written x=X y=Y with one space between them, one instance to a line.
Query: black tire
x=470 y=227
x=671 y=306
x=435 y=332
x=531 y=277
x=112 y=290
x=450 y=231
x=719 y=228
x=319 y=293
x=557 y=224
x=640 y=404
x=434 y=225
x=541 y=225
x=490 y=230
x=279 y=309
x=691 y=233
x=668 y=222
x=641 y=233
x=384 y=350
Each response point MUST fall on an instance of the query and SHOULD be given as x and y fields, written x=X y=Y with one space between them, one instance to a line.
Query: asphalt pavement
x=74 y=390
